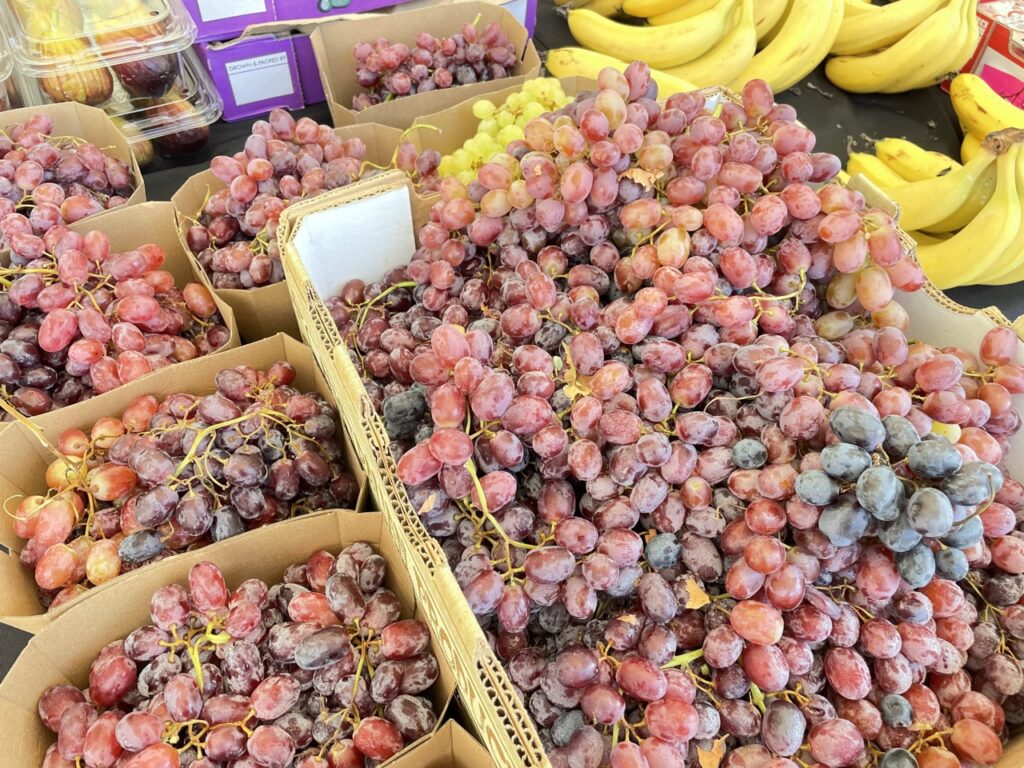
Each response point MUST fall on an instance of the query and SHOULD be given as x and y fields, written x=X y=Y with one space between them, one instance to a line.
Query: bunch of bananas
x=966 y=218
x=713 y=42
x=901 y=46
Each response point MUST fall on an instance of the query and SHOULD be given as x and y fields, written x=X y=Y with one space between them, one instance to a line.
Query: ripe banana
x=916 y=60
x=969 y=147
x=730 y=55
x=978 y=198
x=566 y=62
x=922 y=238
x=924 y=203
x=857 y=7
x=768 y=13
x=808 y=31
x=870 y=31
x=666 y=46
x=970 y=254
x=912 y=162
x=607 y=8
x=1014 y=253
x=650 y=9
x=682 y=12
x=981 y=110
x=873 y=168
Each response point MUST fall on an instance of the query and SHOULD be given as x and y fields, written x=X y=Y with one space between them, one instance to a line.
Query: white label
x=215 y=10
x=259 y=78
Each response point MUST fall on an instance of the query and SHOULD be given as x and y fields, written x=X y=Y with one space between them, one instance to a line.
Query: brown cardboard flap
x=63 y=651
x=25 y=458
x=333 y=43
x=89 y=123
x=262 y=312
x=451 y=746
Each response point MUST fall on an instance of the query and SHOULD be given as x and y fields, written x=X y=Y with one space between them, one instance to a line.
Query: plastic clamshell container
x=190 y=100
x=53 y=37
x=6 y=68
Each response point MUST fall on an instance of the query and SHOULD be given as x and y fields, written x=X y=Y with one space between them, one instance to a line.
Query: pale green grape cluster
x=501 y=125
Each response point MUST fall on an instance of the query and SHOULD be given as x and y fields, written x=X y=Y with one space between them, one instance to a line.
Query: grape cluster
x=234 y=236
x=387 y=70
x=47 y=180
x=317 y=671
x=664 y=426
x=175 y=474
x=501 y=125
x=77 y=319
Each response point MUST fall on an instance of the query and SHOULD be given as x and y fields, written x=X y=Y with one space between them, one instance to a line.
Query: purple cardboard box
x=225 y=19
x=255 y=75
x=290 y=10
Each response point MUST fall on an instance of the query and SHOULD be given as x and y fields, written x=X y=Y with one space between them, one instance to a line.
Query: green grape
x=483 y=109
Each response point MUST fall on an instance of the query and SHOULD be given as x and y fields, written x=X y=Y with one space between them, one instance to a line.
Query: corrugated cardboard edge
x=63 y=651
x=451 y=746
x=263 y=312
x=25 y=454
x=333 y=42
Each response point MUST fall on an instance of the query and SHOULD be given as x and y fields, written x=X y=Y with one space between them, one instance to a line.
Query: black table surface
x=843 y=122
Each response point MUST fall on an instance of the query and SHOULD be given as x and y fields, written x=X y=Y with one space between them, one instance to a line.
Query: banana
x=1014 y=253
x=607 y=8
x=911 y=161
x=981 y=110
x=686 y=10
x=566 y=62
x=924 y=203
x=957 y=54
x=858 y=7
x=969 y=147
x=922 y=56
x=978 y=198
x=870 y=31
x=665 y=46
x=647 y=9
x=868 y=165
x=768 y=13
x=922 y=238
x=802 y=42
x=966 y=257
x=728 y=58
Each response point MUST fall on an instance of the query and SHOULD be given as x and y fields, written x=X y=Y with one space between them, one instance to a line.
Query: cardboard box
x=26 y=459
x=91 y=124
x=224 y=19
x=524 y=11
x=63 y=652
x=262 y=312
x=333 y=43
x=999 y=57
x=451 y=746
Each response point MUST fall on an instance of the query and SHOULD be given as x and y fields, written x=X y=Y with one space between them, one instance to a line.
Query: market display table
x=838 y=119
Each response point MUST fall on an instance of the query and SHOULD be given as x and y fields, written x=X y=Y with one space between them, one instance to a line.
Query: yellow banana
x=980 y=194
x=808 y=31
x=969 y=147
x=647 y=9
x=981 y=110
x=666 y=46
x=728 y=58
x=687 y=10
x=922 y=238
x=768 y=13
x=1014 y=253
x=967 y=256
x=566 y=62
x=881 y=174
x=923 y=203
x=604 y=7
x=912 y=162
x=857 y=7
x=915 y=60
x=957 y=53
x=870 y=31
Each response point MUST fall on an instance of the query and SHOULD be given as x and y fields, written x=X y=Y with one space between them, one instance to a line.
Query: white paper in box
x=363 y=239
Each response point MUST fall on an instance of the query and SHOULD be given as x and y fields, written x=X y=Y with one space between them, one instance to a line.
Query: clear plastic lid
x=159 y=96
x=52 y=37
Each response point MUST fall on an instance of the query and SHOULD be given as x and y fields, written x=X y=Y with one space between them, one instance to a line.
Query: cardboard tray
x=333 y=43
x=62 y=652
x=262 y=312
x=91 y=124
x=25 y=460
x=450 y=746
x=128 y=227
x=386 y=210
